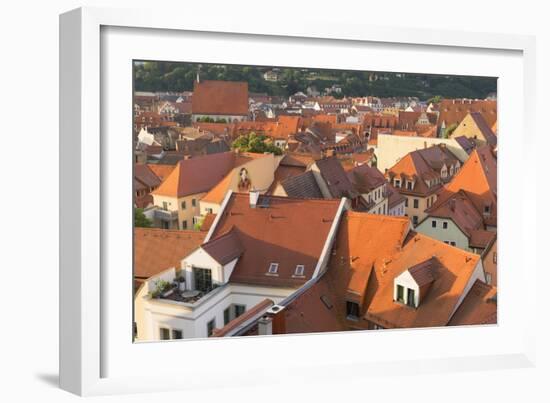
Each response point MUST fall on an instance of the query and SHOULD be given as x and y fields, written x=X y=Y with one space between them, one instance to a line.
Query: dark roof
x=224 y=248
x=467 y=144
x=479 y=307
x=366 y=178
x=481 y=123
x=336 y=178
x=145 y=176
x=218 y=146
x=422 y=272
x=303 y=186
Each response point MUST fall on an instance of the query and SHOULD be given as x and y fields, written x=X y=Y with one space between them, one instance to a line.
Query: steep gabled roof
x=224 y=248
x=478 y=178
x=460 y=209
x=302 y=186
x=280 y=230
x=484 y=128
x=336 y=178
x=366 y=178
x=196 y=175
x=156 y=249
x=220 y=98
x=422 y=272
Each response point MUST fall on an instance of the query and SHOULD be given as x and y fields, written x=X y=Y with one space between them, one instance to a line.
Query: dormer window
x=397 y=183
x=273 y=268
x=299 y=272
x=409 y=185
x=400 y=294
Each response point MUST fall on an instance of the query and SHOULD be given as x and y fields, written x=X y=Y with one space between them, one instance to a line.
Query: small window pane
x=177 y=334
x=164 y=333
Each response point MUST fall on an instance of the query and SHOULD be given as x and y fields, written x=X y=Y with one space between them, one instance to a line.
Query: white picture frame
x=87 y=314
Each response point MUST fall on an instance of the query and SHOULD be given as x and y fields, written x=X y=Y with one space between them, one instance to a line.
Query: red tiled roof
x=156 y=249
x=454 y=110
x=196 y=175
x=286 y=231
x=220 y=98
x=365 y=178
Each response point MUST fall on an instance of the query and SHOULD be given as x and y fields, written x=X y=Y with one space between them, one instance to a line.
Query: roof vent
x=275 y=309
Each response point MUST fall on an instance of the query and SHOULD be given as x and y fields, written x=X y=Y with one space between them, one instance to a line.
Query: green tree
x=140 y=220
x=449 y=130
x=255 y=143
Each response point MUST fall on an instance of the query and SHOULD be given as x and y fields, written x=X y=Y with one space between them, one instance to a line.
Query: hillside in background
x=176 y=76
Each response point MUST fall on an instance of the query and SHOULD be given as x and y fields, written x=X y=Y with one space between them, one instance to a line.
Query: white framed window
x=273 y=268
x=488 y=278
x=299 y=272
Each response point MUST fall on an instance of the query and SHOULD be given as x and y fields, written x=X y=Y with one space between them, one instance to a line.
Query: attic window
x=299 y=270
x=273 y=268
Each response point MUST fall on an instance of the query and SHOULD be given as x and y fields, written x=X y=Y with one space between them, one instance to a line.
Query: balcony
x=166 y=215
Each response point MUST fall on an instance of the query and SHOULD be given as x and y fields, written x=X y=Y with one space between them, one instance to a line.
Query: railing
x=166 y=215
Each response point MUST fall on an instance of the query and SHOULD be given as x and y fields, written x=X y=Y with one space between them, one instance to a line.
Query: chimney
x=265 y=325
x=254 y=195
x=452 y=204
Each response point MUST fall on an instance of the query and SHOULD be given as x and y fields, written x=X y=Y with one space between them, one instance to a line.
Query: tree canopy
x=176 y=76
x=255 y=143
x=140 y=220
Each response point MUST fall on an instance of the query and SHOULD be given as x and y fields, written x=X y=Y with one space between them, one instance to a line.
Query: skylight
x=299 y=270
x=273 y=268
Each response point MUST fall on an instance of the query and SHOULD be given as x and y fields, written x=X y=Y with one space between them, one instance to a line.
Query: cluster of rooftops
x=311 y=232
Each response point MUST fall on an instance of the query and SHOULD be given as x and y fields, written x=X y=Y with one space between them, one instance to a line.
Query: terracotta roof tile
x=156 y=249
x=184 y=179
x=286 y=231
x=220 y=98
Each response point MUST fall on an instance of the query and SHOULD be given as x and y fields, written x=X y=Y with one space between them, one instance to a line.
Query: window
x=203 y=279
x=494 y=257
x=209 y=211
x=273 y=268
x=400 y=294
x=164 y=333
x=239 y=310
x=352 y=310
x=397 y=183
x=376 y=327
x=183 y=205
x=415 y=219
x=445 y=224
x=177 y=334
x=226 y=315
x=406 y=202
x=434 y=224
x=415 y=203
x=164 y=205
x=486 y=209
x=299 y=270
x=410 y=297
x=210 y=327
x=194 y=202
x=184 y=224
x=409 y=185
x=488 y=278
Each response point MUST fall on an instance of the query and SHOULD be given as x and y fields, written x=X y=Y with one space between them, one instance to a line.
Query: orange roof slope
x=478 y=178
x=286 y=231
x=161 y=170
x=451 y=270
x=220 y=98
x=196 y=175
x=156 y=249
